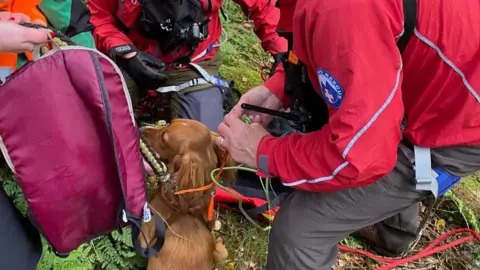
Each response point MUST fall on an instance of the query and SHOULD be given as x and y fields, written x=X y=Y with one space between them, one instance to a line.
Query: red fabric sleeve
x=276 y=84
x=354 y=41
x=106 y=29
x=265 y=17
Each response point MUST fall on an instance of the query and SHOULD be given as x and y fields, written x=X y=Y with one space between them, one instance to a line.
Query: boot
x=370 y=235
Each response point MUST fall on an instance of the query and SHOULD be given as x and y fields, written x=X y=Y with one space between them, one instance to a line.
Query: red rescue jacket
x=106 y=16
x=351 y=54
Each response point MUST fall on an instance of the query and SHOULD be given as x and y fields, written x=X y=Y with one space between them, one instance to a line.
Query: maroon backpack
x=68 y=134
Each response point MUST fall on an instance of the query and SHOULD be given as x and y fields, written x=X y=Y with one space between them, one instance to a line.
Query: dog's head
x=188 y=147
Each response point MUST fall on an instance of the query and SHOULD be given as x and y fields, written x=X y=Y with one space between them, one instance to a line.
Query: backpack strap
x=409 y=23
x=136 y=221
x=159 y=236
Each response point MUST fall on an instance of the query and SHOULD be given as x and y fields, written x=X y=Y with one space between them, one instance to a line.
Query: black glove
x=147 y=71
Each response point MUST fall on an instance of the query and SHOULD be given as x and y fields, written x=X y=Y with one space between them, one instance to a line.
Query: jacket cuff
x=114 y=42
x=266 y=156
x=276 y=84
x=278 y=45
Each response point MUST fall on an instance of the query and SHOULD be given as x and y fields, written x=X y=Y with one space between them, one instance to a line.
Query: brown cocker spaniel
x=188 y=149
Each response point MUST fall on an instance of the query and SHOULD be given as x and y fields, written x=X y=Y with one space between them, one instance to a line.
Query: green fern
x=466 y=211
x=110 y=252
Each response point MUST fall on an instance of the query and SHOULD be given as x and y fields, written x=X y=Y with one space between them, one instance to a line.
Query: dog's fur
x=188 y=149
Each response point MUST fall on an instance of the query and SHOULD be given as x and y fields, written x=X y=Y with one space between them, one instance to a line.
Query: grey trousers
x=308 y=226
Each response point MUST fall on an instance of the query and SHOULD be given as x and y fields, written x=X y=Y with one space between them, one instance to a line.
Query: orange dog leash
x=211 y=203
x=217 y=177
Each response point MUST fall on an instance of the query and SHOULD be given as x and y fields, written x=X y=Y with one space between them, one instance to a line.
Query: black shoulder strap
x=160 y=231
x=410 y=20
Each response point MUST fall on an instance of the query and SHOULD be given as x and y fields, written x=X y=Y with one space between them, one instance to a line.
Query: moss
x=244 y=77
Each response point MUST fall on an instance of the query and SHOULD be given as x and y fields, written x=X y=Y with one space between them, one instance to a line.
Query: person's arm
x=276 y=84
x=265 y=17
x=106 y=28
x=355 y=43
x=72 y=18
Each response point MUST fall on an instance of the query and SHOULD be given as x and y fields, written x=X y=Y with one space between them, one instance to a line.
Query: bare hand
x=128 y=55
x=6 y=16
x=17 y=39
x=258 y=96
x=240 y=139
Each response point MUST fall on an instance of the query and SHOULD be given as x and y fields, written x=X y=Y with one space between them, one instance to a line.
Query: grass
x=469 y=191
x=246 y=244
x=242 y=55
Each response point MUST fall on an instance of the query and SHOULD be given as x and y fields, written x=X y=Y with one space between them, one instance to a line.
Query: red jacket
x=106 y=15
x=350 y=51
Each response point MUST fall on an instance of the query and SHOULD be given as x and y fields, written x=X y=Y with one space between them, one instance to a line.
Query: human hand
x=17 y=18
x=258 y=96
x=15 y=38
x=6 y=16
x=240 y=139
x=146 y=70
x=148 y=168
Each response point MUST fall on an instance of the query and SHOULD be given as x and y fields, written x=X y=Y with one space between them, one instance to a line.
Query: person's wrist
x=123 y=52
x=263 y=156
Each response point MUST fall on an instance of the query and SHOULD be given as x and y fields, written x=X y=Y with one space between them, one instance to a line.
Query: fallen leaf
x=440 y=224
x=231 y=265
x=244 y=79
x=254 y=237
x=217 y=226
x=240 y=254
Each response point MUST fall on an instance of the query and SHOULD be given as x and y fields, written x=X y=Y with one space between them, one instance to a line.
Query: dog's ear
x=189 y=172
x=229 y=176
x=152 y=135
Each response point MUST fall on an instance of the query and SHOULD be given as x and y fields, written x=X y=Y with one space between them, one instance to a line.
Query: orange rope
x=210 y=208
x=191 y=190
x=207 y=187
x=211 y=203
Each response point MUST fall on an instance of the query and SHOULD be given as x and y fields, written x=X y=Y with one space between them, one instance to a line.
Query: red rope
x=427 y=251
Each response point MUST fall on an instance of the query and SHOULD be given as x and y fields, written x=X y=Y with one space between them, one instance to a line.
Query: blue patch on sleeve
x=332 y=91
